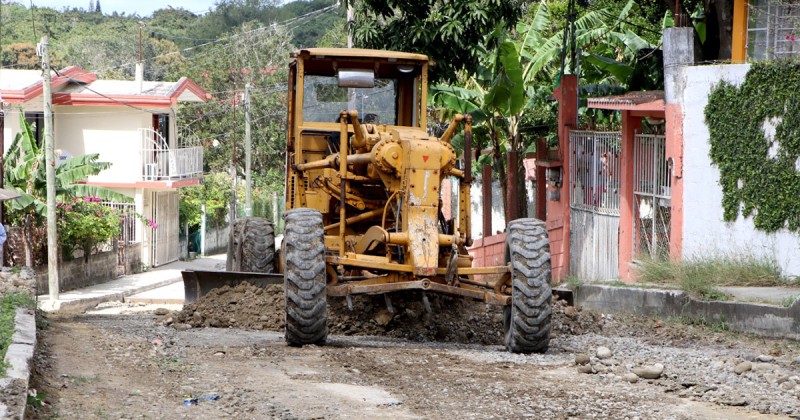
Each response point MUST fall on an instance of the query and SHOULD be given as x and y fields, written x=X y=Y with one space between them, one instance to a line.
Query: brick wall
x=488 y=251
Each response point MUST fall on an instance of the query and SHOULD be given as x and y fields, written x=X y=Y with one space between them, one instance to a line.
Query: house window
x=773 y=29
x=36 y=120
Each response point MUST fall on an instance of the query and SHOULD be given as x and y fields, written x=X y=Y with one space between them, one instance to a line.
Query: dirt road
x=132 y=366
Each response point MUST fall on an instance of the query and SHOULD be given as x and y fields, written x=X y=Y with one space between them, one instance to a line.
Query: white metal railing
x=595 y=171
x=160 y=162
x=128 y=221
x=652 y=196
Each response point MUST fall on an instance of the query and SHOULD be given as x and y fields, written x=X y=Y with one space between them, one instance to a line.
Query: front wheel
x=304 y=278
x=527 y=320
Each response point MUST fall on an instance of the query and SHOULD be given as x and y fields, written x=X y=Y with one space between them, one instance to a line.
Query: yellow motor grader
x=364 y=203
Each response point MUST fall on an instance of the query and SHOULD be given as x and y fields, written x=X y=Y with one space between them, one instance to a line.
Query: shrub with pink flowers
x=84 y=223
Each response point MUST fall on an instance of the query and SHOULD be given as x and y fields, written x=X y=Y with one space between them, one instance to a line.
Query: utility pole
x=229 y=260
x=50 y=170
x=248 y=153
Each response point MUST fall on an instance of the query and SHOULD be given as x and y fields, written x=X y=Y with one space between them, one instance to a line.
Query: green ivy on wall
x=755 y=143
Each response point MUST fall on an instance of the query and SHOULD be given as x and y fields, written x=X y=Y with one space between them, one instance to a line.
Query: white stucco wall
x=704 y=230
x=109 y=131
x=498 y=214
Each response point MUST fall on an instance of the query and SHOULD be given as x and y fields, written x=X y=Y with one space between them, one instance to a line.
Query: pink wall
x=674 y=116
x=488 y=251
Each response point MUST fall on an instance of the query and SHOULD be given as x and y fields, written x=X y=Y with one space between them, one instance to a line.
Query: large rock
x=649 y=371
x=603 y=352
x=581 y=359
x=743 y=367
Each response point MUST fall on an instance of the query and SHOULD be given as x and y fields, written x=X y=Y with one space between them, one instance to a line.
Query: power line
x=231 y=37
x=33 y=23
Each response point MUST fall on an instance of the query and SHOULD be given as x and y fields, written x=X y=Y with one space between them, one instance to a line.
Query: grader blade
x=197 y=284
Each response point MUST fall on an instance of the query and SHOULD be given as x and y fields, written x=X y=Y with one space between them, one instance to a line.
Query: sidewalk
x=125 y=286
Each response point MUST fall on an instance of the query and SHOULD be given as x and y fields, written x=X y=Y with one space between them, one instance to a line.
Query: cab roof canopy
x=326 y=61
x=323 y=53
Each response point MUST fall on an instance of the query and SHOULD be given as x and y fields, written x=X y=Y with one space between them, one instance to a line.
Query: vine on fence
x=755 y=142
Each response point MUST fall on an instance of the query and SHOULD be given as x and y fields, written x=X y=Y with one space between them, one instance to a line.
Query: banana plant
x=24 y=172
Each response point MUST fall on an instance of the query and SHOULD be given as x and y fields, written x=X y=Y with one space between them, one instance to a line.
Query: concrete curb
x=759 y=319
x=82 y=304
x=18 y=359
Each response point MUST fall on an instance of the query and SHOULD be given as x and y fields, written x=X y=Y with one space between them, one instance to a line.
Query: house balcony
x=163 y=163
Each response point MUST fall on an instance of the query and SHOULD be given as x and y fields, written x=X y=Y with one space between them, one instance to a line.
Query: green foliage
x=84 y=223
x=449 y=32
x=789 y=301
x=8 y=310
x=759 y=173
x=215 y=193
x=36 y=399
x=700 y=277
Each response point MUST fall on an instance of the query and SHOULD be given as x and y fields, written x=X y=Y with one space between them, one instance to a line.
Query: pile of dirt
x=450 y=320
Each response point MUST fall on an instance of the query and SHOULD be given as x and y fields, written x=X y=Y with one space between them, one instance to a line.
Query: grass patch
x=718 y=325
x=700 y=277
x=171 y=364
x=8 y=310
x=574 y=282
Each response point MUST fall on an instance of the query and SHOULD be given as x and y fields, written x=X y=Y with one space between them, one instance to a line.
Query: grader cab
x=364 y=202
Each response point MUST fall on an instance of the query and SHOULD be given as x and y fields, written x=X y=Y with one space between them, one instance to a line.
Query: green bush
x=84 y=223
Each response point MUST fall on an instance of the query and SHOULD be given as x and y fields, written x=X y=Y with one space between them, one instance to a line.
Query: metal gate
x=594 y=204
x=165 y=239
x=652 y=197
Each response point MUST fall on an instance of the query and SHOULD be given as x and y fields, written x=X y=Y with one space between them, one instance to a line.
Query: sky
x=141 y=7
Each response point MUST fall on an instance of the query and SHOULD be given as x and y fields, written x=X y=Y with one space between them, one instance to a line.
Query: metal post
x=248 y=153
x=50 y=163
x=203 y=231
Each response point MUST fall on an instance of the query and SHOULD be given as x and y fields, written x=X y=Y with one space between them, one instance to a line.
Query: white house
x=131 y=124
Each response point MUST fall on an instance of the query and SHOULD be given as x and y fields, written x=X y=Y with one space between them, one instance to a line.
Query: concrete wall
x=75 y=274
x=704 y=230
x=133 y=264
x=216 y=240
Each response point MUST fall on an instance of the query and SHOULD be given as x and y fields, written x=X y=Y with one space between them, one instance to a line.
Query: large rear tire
x=304 y=278
x=527 y=323
x=253 y=245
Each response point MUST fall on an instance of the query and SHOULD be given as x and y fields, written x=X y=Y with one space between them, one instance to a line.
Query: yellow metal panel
x=739 y=33
x=423 y=232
